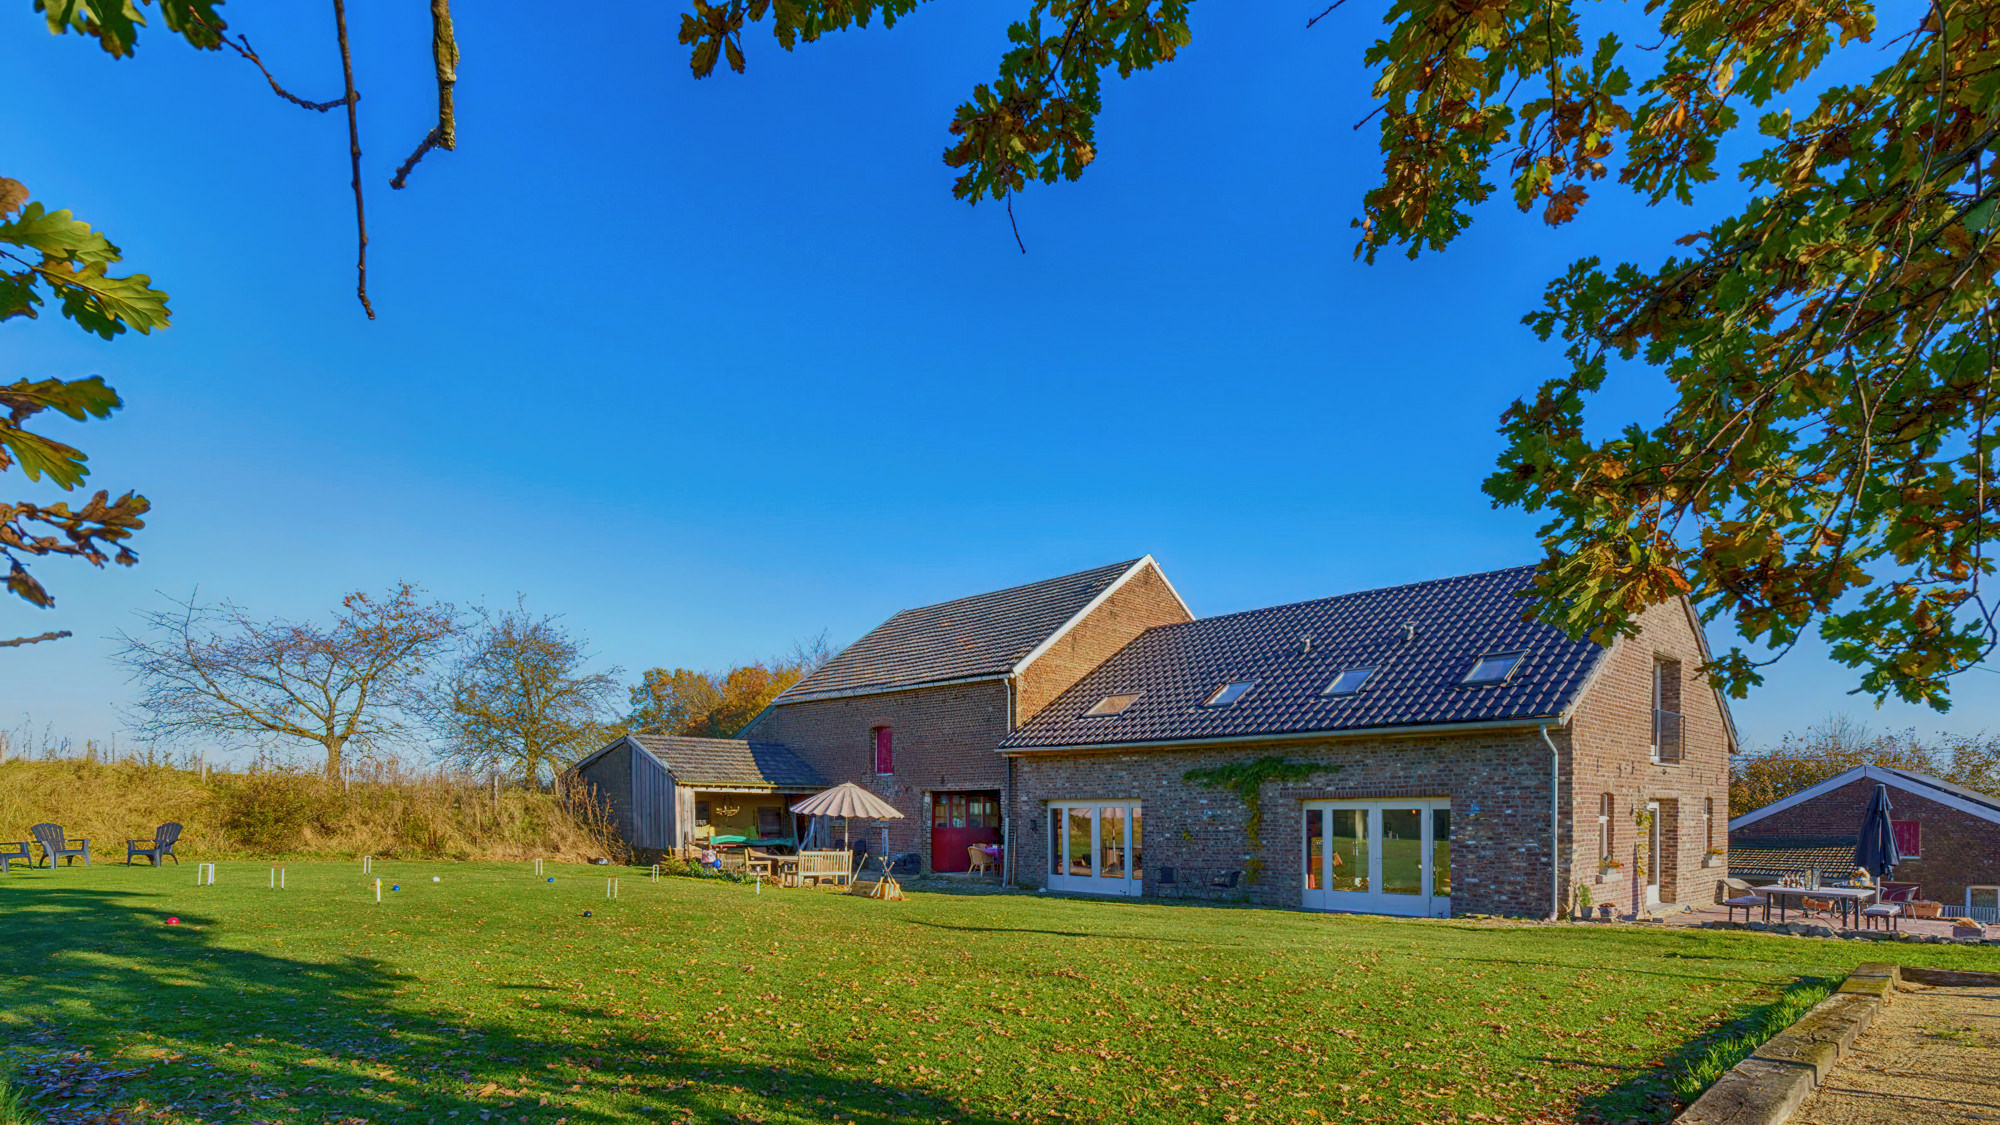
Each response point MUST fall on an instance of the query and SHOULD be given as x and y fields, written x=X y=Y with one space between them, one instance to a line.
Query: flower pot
x=1711 y=861
x=1604 y=911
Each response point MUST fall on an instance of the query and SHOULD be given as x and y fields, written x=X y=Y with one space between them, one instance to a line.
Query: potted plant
x=1609 y=864
x=1713 y=858
x=1604 y=911
x=1582 y=903
x=1967 y=928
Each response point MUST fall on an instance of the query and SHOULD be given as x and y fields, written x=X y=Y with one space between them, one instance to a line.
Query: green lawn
x=489 y=997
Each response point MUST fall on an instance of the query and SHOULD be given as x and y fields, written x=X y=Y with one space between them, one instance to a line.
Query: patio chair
x=1740 y=898
x=977 y=856
x=1226 y=881
x=56 y=845
x=161 y=846
x=1898 y=892
x=13 y=850
x=1882 y=914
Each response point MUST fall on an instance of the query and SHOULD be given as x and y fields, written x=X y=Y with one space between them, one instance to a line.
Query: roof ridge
x=1120 y=567
x=1342 y=597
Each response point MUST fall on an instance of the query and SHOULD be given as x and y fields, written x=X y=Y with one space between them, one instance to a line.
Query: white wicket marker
x=538 y=867
x=367 y=865
x=202 y=869
x=611 y=888
x=378 y=890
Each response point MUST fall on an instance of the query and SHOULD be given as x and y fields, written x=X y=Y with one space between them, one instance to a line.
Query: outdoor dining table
x=1847 y=899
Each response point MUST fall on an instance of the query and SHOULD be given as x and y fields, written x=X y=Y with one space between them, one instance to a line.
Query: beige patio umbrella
x=845 y=800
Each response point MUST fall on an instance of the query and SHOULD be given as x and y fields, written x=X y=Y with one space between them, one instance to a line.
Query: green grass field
x=489 y=997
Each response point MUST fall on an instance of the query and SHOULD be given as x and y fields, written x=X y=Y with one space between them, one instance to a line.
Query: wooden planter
x=1924 y=908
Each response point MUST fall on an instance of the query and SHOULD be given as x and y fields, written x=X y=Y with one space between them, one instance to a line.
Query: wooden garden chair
x=161 y=845
x=55 y=845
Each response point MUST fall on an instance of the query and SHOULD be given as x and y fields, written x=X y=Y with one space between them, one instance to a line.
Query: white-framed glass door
x=1378 y=857
x=1652 y=853
x=1097 y=847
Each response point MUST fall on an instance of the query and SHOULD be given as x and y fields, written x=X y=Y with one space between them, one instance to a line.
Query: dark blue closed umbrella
x=1877 y=850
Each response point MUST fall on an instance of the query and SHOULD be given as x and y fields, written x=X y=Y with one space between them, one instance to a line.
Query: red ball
x=173 y=921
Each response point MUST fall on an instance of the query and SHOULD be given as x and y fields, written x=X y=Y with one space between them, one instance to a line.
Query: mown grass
x=489 y=996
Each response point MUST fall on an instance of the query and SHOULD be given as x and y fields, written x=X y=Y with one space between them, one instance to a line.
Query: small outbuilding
x=1949 y=836
x=665 y=792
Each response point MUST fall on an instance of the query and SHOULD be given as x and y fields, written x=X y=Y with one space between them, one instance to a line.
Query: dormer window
x=1229 y=693
x=1110 y=705
x=1349 y=682
x=1494 y=669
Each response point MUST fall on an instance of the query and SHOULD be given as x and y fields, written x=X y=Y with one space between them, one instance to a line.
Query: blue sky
x=710 y=366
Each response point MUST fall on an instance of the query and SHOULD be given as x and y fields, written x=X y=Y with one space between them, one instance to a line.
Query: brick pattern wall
x=1145 y=600
x=1500 y=853
x=1611 y=740
x=1958 y=848
x=943 y=738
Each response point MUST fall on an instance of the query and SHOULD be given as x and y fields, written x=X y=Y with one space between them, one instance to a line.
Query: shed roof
x=1294 y=652
x=1982 y=805
x=969 y=638
x=1776 y=857
x=730 y=761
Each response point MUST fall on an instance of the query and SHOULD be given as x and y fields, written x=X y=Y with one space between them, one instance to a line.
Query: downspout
x=1555 y=826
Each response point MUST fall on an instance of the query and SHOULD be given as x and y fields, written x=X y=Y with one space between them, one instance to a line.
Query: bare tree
x=214 y=671
x=521 y=698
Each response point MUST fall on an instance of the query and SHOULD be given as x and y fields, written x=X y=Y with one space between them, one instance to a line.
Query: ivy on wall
x=1246 y=780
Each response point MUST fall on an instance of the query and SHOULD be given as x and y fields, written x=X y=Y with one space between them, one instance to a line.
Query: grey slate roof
x=1754 y=857
x=986 y=634
x=730 y=761
x=1418 y=682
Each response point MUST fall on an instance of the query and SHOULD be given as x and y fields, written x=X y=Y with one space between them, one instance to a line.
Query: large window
x=1385 y=857
x=1666 y=710
x=885 y=756
x=1097 y=847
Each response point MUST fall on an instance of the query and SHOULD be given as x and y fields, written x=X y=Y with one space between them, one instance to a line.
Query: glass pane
x=1055 y=840
x=1111 y=843
x=1315 y=839
x=1350 y=681
x=1079 y=841
x=1229 y=693
x=1983 y=898
x=1350 y=850
x=1402 y=851
x=1138 y=845
x=958 y=812
x=1441 y=852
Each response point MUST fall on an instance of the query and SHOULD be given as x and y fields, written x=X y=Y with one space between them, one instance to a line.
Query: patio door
x=960 y=821
x=1097 y=847
x=1378 y=857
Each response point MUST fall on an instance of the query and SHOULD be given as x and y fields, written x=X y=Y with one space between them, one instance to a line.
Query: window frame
x=1367 y=674
x=882 y=741
x=1130 y=697
x=1606 y=805
x=1520 y=658
x=1661 y=664
x=1217 y=703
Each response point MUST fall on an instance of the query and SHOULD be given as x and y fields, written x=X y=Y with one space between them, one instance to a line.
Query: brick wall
x=1145 y=600
x=1499 y=853
x=1612 y=735
x=943 y=738
x=1958 y=848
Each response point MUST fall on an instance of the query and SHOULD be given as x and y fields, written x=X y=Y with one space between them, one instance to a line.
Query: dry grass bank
x=288 y=812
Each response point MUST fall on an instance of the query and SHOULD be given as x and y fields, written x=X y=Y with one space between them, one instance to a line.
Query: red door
x=959 y=821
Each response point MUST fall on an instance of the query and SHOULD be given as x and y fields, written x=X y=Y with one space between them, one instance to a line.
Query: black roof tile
x=1418 y=682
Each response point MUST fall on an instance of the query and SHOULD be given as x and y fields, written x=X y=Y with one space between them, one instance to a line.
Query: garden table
x=1847 y=899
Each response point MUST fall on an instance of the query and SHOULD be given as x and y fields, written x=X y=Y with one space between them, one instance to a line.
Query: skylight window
x=1229 y=693
x=1494 y=669
x=1110 y=705
x=1349 y=682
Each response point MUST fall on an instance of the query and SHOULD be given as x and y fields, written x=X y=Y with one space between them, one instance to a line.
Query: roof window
x=1229 y=693
x=1110 y=705
x=1495 y=668
x=1348 y=682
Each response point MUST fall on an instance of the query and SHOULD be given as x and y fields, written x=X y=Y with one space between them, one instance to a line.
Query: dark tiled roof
x=1767 y=856
x=1417 y=682
x=729 y=761
x=982 y=635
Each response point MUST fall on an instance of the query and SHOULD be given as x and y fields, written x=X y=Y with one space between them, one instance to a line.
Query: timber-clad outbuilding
x=659 y=789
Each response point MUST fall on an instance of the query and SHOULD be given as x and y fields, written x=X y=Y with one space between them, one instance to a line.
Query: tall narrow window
x=885 y=758
x=1666 y=710
x=1708 y=823
x=1603 y=827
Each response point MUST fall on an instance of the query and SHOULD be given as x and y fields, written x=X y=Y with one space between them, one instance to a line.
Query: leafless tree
x=215 y=672
x=521 y=698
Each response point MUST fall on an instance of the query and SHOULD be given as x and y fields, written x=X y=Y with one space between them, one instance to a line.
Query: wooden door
x=958 y=821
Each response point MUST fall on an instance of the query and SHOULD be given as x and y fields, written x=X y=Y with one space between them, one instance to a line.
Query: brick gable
x=1145 y=600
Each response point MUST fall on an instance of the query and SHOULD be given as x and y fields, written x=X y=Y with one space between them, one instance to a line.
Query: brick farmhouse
x=1949 y=836
x=1428 y=752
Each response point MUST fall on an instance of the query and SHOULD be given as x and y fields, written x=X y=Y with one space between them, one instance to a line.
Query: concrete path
x=1932 y=1057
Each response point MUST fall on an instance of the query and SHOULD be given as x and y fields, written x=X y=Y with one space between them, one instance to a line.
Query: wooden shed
x=666 y=792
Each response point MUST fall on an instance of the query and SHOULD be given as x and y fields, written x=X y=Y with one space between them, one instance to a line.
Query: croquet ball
x=552 y=878
x=397 y=887
x=173 y=921
x=586 y=914
x=436 y=879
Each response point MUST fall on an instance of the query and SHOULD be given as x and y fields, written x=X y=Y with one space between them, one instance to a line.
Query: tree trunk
x=333 y=748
